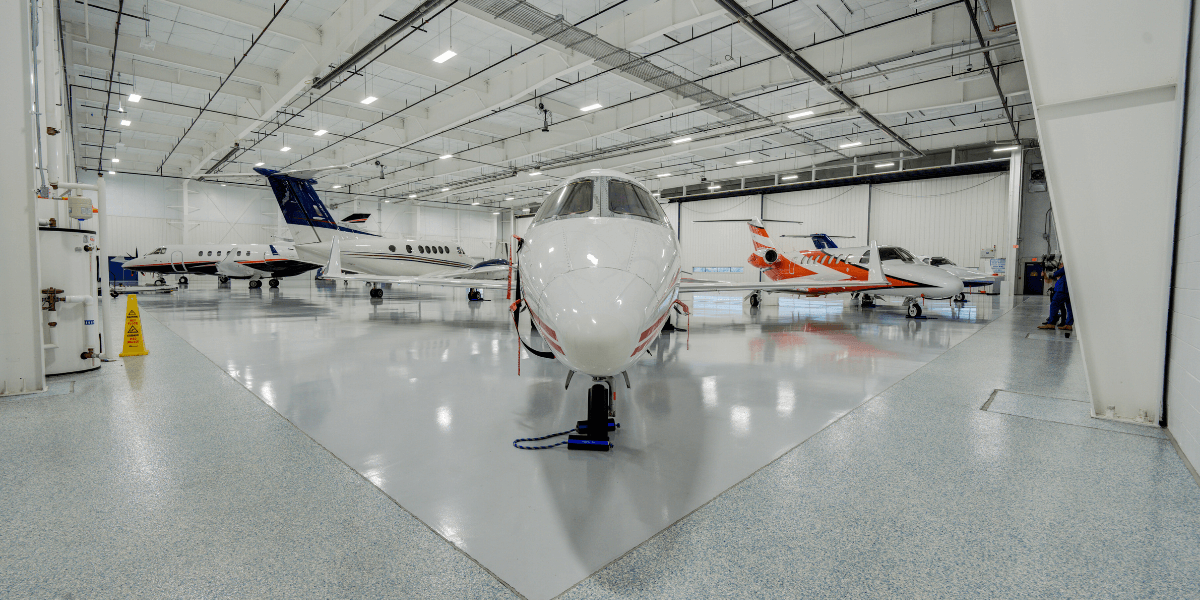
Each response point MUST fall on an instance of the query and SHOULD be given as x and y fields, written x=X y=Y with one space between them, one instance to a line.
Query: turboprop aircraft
x=375 y=258
x=599 y=271
x=227 y=261
x=906 y=276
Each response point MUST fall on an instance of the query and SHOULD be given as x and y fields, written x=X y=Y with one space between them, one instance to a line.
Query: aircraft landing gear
x=376 y=292
x=593 y=433
x=866 y=301
x=960 y=297
x=183 y=280
x=755 y=300
x=255 y=284
x=914 y=309
x=160 y=281
x=273 y=282
x=474 y=295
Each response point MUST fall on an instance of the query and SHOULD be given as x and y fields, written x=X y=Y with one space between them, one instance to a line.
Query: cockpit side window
x=866 y=258
x=159 y=250
x=573 y=199
x=938 y=261
x=625 y=198
x=906 y=256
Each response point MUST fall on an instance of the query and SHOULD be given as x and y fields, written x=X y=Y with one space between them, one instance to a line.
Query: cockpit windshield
x=159 y=250
x=938 y=261
x=895 y=253
x=625 y=198
x=572 y=199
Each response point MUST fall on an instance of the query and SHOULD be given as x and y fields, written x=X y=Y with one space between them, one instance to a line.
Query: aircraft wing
x=875 y=279
x=489 y=278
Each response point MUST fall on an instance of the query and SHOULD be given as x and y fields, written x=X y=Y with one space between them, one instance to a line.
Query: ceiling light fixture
x=714 y=187
x=655 y=194
x=850 y=145
x=320 y=132
x=745 y=162
x=116 y=160
x=510 y=198
x=125 y=122
x=663 y=175
x=135 y=98
x=807 y=113
x=258 y=164
x=445 y=189
x=591 y=107
x=337 y=186
x=112 y=172
x=368 y=100
x=787 y=177
x=445 y=56
x=1007 y=149
x=885 y=165
x=285 y=148
x=495 y=213
x=474 y=204
x=445 y=156
x=534 y=173
x=412 y=195
x=682 y=140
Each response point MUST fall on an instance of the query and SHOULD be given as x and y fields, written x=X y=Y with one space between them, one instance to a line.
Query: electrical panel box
x=987 y=253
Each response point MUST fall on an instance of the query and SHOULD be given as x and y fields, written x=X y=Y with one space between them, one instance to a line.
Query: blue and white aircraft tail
x=307 y=217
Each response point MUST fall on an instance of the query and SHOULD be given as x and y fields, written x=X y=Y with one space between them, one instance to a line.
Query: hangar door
x=954 y=217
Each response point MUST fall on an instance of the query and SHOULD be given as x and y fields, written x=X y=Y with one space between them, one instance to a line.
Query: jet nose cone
x=951 y=284
x=600 y=313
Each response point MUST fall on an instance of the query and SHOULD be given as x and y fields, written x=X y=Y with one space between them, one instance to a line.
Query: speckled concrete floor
x=167 y=478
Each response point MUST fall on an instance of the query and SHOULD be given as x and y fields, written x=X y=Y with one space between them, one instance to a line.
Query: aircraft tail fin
x=822 y=241
x=306 y=216
x=758 y=234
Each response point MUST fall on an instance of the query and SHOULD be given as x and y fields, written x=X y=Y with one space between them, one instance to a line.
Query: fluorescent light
x=682 y=140
x=336 y=186
x=495 y=213
x=663 y=175
x=116 y=160
x=534 y=173
x=806 y=113
x=592 y=107
x=368 y=100
x=126 y=122
x=744 y=162
x=714 y=187
x=445 y=156
x=222 y=185
x=135 y=98
x=655 y=194
x=445 y=56
x=884 y=165
x=850 y=145
x=787 y=177
x=526 y=209
x=474 y=204
x=258 y=164
x=510 y=198
x=445 y=189
x=1007 y=149
x=285 y=148
x=320 y=132
x=412 y=195
x=112 y=172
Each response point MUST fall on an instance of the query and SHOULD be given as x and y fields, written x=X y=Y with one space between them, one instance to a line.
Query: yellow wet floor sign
x=134 y=345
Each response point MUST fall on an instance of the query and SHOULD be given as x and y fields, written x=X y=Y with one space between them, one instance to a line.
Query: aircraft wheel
x=222 y=279
x=914 y=310
x=183 y=281
x=376 y=293
x=255 y=284
x=754 y=301
x=113 y=293
x=961 y=296
x=865 y=300
x=273 y=282
x=474 y=295
x=160 y=281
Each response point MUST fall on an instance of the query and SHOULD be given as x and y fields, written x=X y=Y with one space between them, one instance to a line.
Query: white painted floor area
x=419 y=393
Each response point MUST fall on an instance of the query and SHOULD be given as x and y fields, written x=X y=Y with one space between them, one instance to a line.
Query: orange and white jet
x=845 y=268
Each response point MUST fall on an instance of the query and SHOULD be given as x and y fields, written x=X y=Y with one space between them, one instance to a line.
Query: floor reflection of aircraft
x=906 y=277
x=599 y=273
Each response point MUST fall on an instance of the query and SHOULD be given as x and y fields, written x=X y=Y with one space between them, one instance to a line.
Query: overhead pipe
x=770 y=39
x=995 y=73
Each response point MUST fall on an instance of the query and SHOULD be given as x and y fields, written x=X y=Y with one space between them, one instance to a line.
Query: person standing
x=1061 y=314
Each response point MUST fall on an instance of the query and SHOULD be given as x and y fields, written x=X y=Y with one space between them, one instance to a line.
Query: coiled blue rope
x=517 y=443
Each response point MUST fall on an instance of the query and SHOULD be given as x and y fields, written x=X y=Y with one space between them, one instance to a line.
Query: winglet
x=334 y=268
x=875 y=266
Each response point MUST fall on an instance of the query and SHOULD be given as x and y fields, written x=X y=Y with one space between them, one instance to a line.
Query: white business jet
x=374 y=257
x=226 y=261
x=599 y=272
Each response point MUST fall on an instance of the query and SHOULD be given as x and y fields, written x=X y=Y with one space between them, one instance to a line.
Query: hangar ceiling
x=694 y=88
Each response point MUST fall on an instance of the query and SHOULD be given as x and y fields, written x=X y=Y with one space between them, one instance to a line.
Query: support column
x=22 y=360
x=187 y=211
x=1016 y=179
x=1107 y=94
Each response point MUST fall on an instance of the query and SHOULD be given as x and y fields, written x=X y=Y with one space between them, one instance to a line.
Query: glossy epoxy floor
x=919 y=487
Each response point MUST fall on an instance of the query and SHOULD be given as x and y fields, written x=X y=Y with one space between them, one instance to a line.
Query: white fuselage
x=906 y=279
x=239 y=261
x=599 y=287
x=390 y=257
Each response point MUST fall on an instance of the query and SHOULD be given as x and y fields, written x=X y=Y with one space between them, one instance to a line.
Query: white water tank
x=68 y=263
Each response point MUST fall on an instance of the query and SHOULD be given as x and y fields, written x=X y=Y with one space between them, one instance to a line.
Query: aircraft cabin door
x=177 y=262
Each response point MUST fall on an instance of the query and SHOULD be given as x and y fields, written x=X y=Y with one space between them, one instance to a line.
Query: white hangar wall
x=142 y=217
x=954 y=217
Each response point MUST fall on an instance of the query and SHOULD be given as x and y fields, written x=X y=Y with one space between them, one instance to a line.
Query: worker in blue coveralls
x=1061 y=315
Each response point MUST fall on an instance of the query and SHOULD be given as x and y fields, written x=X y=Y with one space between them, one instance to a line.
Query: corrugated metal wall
x=954 y=217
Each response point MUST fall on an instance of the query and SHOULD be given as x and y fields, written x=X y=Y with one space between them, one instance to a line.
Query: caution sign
x=134 y=345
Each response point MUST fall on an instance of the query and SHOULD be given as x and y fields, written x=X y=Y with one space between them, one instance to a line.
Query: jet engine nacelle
x=764 y=257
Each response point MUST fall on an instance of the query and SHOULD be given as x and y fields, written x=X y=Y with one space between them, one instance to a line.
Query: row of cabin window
x=210 y=253
x=424 y=249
